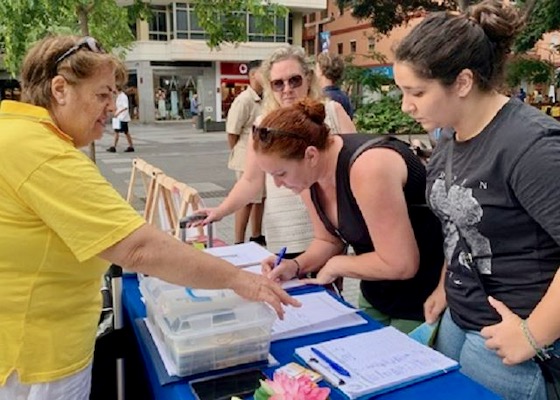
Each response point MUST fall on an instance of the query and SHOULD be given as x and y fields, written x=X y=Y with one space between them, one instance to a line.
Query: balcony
x=303 y=6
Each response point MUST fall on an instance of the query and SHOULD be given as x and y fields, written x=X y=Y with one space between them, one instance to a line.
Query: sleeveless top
x=396 y=298
x=286 y=221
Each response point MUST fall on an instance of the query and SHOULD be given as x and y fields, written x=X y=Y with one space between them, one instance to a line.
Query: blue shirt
x=334 y=93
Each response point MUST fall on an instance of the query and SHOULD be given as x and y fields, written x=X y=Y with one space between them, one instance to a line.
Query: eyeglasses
x=294 y=82
x=87 y=43
x=264 y=134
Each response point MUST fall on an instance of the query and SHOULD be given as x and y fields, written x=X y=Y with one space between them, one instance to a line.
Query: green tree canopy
x=22 y=22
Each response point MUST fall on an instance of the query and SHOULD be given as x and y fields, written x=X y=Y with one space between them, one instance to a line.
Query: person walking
x=241 y=116
x=329 y=69
x=122 y=114
x=492 y=181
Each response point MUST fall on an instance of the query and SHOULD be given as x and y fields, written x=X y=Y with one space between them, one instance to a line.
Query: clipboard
x=378 y=361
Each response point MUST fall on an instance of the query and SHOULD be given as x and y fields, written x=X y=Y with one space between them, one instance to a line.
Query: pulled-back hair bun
x=500 y=23
x=313 y=109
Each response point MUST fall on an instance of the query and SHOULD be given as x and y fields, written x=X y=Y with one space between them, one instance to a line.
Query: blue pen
x=335 y=366
x=281 y=255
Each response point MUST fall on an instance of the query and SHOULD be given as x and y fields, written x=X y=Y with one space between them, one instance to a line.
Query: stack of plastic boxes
x=204 y=330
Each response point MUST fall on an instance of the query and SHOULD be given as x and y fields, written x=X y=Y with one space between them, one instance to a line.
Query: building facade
x=170 y=62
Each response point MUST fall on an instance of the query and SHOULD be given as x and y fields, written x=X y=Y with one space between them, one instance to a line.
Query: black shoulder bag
x=548 y=361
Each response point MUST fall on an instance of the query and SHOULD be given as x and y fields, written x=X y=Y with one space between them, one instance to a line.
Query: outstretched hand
x=260 y=288
x=204 y=216
x=506 y=337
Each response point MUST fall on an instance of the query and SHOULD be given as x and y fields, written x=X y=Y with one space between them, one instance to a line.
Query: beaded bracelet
x=298 y=267
x=541 y=351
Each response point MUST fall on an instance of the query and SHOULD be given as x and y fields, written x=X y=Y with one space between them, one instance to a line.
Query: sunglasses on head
x=293 y=82
x=264 y=134
x=87 y=43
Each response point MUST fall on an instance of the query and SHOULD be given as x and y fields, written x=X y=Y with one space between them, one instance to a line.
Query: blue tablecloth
x=453 y=385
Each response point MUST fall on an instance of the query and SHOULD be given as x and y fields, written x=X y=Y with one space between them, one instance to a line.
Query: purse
x=548 y=362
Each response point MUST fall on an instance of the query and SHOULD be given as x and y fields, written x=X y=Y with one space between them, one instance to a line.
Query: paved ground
x=188 y=155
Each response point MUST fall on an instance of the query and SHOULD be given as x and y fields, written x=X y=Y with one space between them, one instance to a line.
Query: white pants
x=73 y=387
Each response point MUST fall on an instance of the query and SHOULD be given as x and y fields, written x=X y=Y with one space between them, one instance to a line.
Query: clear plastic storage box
x=205 y=330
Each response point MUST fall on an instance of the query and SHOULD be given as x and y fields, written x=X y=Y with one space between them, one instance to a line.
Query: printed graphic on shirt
x=460 y=208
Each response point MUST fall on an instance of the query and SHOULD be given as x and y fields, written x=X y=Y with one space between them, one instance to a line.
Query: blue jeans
x=518 y=382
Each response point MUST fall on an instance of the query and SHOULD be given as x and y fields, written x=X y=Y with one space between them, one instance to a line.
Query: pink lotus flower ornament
x=284 y=387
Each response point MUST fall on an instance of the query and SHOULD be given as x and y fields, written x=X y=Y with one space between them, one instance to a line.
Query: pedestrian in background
x=62 y=225
x=493 y=184
x=330 y=69
x=122 y=114
x=194 y=109
x=239 y=123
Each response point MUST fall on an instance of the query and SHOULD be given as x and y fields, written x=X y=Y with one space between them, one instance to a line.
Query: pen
x=281 y=255
x=335 y=366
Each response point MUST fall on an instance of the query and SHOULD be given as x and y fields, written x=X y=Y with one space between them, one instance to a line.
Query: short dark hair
x=253 y=65
x=332 y=66
x=445 y=43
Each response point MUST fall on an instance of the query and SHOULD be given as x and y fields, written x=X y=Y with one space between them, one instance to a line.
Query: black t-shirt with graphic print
x=505 y=200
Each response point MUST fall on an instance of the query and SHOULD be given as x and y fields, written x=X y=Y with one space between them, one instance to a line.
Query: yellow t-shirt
x=57 y=213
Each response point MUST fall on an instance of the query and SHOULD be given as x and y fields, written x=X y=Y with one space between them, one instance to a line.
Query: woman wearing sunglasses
x=62 y=224
x=288 y=78
x=361 y=191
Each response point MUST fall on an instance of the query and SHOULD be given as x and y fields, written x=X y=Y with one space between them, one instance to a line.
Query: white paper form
x=319 y=312
x=242 y=254
x=256 y=269
x=379 y=361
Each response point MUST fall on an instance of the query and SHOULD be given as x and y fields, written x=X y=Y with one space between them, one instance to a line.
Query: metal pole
x=116 y=279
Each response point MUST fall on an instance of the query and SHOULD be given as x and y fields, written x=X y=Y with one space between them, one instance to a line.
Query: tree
x=542 y=16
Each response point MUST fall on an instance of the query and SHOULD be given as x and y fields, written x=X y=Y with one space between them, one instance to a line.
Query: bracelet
x=298 y=267
x=540 y=351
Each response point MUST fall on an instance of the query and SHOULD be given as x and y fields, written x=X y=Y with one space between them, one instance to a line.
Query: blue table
x=453 y=385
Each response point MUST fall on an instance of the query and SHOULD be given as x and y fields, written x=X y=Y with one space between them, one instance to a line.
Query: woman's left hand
x=507 y=337
x=326 y=275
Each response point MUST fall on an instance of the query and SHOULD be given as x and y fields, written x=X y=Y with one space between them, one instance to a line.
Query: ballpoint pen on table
x=280 y=257
x=332 y=364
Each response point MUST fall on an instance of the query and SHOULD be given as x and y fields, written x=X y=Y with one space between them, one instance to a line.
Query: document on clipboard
x=374 y=362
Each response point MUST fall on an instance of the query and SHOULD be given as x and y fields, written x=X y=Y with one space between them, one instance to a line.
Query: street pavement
x=187 y=154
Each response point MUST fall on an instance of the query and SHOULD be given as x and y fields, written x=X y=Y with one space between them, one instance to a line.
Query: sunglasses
x=293 y=82
x=87 y=43
x=264 y=134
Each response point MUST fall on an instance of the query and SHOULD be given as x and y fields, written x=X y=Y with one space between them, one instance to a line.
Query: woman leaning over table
x=493 y=182
x=359 y=192
x=287 y=77
x=61 y=224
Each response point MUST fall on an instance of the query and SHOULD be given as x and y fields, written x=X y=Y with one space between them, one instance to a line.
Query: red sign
x=229 y=68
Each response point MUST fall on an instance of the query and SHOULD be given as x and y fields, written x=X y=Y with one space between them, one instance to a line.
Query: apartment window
x=340 y=48
x=181 y=21
x=196 y=32
x=311 y=17
x=278 y=36
x=371 y=44
x=158 y=24
x=324 y=14
x=352 y=46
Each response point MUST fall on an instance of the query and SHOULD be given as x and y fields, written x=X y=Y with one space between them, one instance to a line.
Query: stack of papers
x=249 y=257
x=241 y=255
x=374 y=362
x=319 y=312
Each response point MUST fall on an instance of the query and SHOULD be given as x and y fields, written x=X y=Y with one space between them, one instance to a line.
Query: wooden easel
x=148 y=174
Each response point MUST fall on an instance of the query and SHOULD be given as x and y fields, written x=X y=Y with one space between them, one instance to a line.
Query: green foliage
x=224 y=23
x=24 y=22
x=528 y=69
x=385 y=15
x=385 y=117
x=544 y=18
